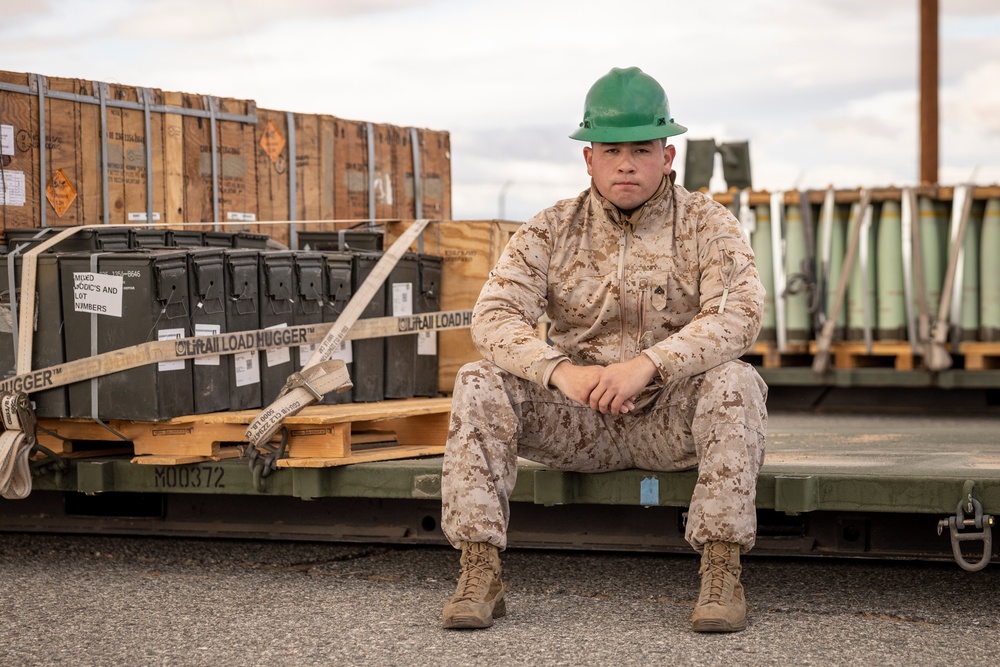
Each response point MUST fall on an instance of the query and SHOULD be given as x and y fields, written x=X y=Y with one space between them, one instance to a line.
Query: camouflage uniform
x=675 y=280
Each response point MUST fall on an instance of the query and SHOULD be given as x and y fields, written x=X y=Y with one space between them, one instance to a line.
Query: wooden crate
x=354 y=179
x=434 y=175
x=333 y=178
x=235 y=159
x=469 y=249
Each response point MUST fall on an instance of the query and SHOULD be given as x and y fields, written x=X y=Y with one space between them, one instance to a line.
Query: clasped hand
x=609 y=390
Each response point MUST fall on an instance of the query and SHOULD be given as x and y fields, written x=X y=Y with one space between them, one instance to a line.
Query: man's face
x=628 y=174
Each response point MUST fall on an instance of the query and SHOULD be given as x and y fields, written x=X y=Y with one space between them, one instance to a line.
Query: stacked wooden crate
x=80 y=152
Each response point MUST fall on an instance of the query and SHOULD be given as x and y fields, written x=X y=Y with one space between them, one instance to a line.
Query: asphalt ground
x=71 y=600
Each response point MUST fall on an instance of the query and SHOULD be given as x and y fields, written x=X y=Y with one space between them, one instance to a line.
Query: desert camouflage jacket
x=675 y=280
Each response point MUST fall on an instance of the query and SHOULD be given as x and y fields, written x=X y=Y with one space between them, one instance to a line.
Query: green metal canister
x=890 y=296
x=968 y=321
x=933 y=230
x=861 y=288
x=760 y=241
x=797 y=318
x=989 y=266
x=833 y=259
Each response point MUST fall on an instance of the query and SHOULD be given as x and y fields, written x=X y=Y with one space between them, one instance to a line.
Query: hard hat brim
x=618 y=135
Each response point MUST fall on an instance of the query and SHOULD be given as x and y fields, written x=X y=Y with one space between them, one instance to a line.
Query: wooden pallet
x=980 y=356
x=767 y=355
x=884 y=354
x=319 y=436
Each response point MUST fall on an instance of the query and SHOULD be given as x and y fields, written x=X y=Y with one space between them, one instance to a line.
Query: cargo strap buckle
x=980 y=521
x=305 y=379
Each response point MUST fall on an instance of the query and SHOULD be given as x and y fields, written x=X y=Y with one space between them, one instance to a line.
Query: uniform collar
x=631 y=220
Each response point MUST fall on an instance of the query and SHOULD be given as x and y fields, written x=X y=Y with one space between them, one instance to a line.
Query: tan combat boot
x=720 y=606
x=479 y=596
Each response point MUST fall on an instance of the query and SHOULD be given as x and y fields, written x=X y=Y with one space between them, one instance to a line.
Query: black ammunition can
x=218 y=239
x=116 y=300
x=115 y=238
x=47 y=344
x=428 y=300
x=343 y=241
x=207 y=289
x=250 y=240
x=310 y=290
x=338 y=294
x=243 y=314
x=186 y=238
x=368 y=354
x=401 y=351
x=277 y=304
x=150 y=239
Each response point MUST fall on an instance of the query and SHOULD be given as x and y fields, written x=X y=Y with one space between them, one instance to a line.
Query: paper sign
x=6 y=139
x=402 y=299
x=278 y=355
x=207 y=330
x=12 y=187
x=345 y=353
x=427 y=343
x=97 y=293
x=247 y=368
x=170 y=334
x=305 y=352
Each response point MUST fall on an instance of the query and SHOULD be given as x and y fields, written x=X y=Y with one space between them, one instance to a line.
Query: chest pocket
x=669 y=301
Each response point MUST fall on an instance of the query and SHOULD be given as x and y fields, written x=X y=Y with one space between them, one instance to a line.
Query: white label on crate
x=402 y=299
x=427 y=343
x=278 y=355
x=97 y=293
x=345 y=352
x=247 y=368
x=207 y=330
x=6 y=139
x=12 y=187
x=170 y=334
x=235 y=216
x=141 y=216
x=305 y=352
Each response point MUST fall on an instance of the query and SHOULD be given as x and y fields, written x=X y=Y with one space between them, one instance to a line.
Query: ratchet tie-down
x=16 y=442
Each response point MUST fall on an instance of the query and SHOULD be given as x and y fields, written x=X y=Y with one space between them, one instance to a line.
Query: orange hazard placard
x=60 y=192
x=272 y=141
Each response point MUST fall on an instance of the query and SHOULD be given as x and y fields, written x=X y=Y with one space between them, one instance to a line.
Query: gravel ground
x=69 y=600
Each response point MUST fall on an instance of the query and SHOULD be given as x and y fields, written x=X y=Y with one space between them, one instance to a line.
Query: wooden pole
x=929 y=92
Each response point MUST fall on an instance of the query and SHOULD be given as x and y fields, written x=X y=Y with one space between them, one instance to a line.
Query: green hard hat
x=626 y=105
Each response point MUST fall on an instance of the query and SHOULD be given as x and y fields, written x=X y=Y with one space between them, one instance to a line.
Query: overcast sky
x=825 y=91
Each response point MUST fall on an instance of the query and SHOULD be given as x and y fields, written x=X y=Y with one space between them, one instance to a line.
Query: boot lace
x=716 y=568
x=477 y=570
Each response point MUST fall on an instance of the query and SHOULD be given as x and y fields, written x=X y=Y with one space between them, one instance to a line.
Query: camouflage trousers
x=715 y=421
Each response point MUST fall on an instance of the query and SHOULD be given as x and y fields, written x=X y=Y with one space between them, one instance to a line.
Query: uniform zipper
x=623 y=302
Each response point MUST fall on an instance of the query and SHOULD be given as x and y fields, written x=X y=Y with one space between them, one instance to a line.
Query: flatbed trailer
x=862 y=470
